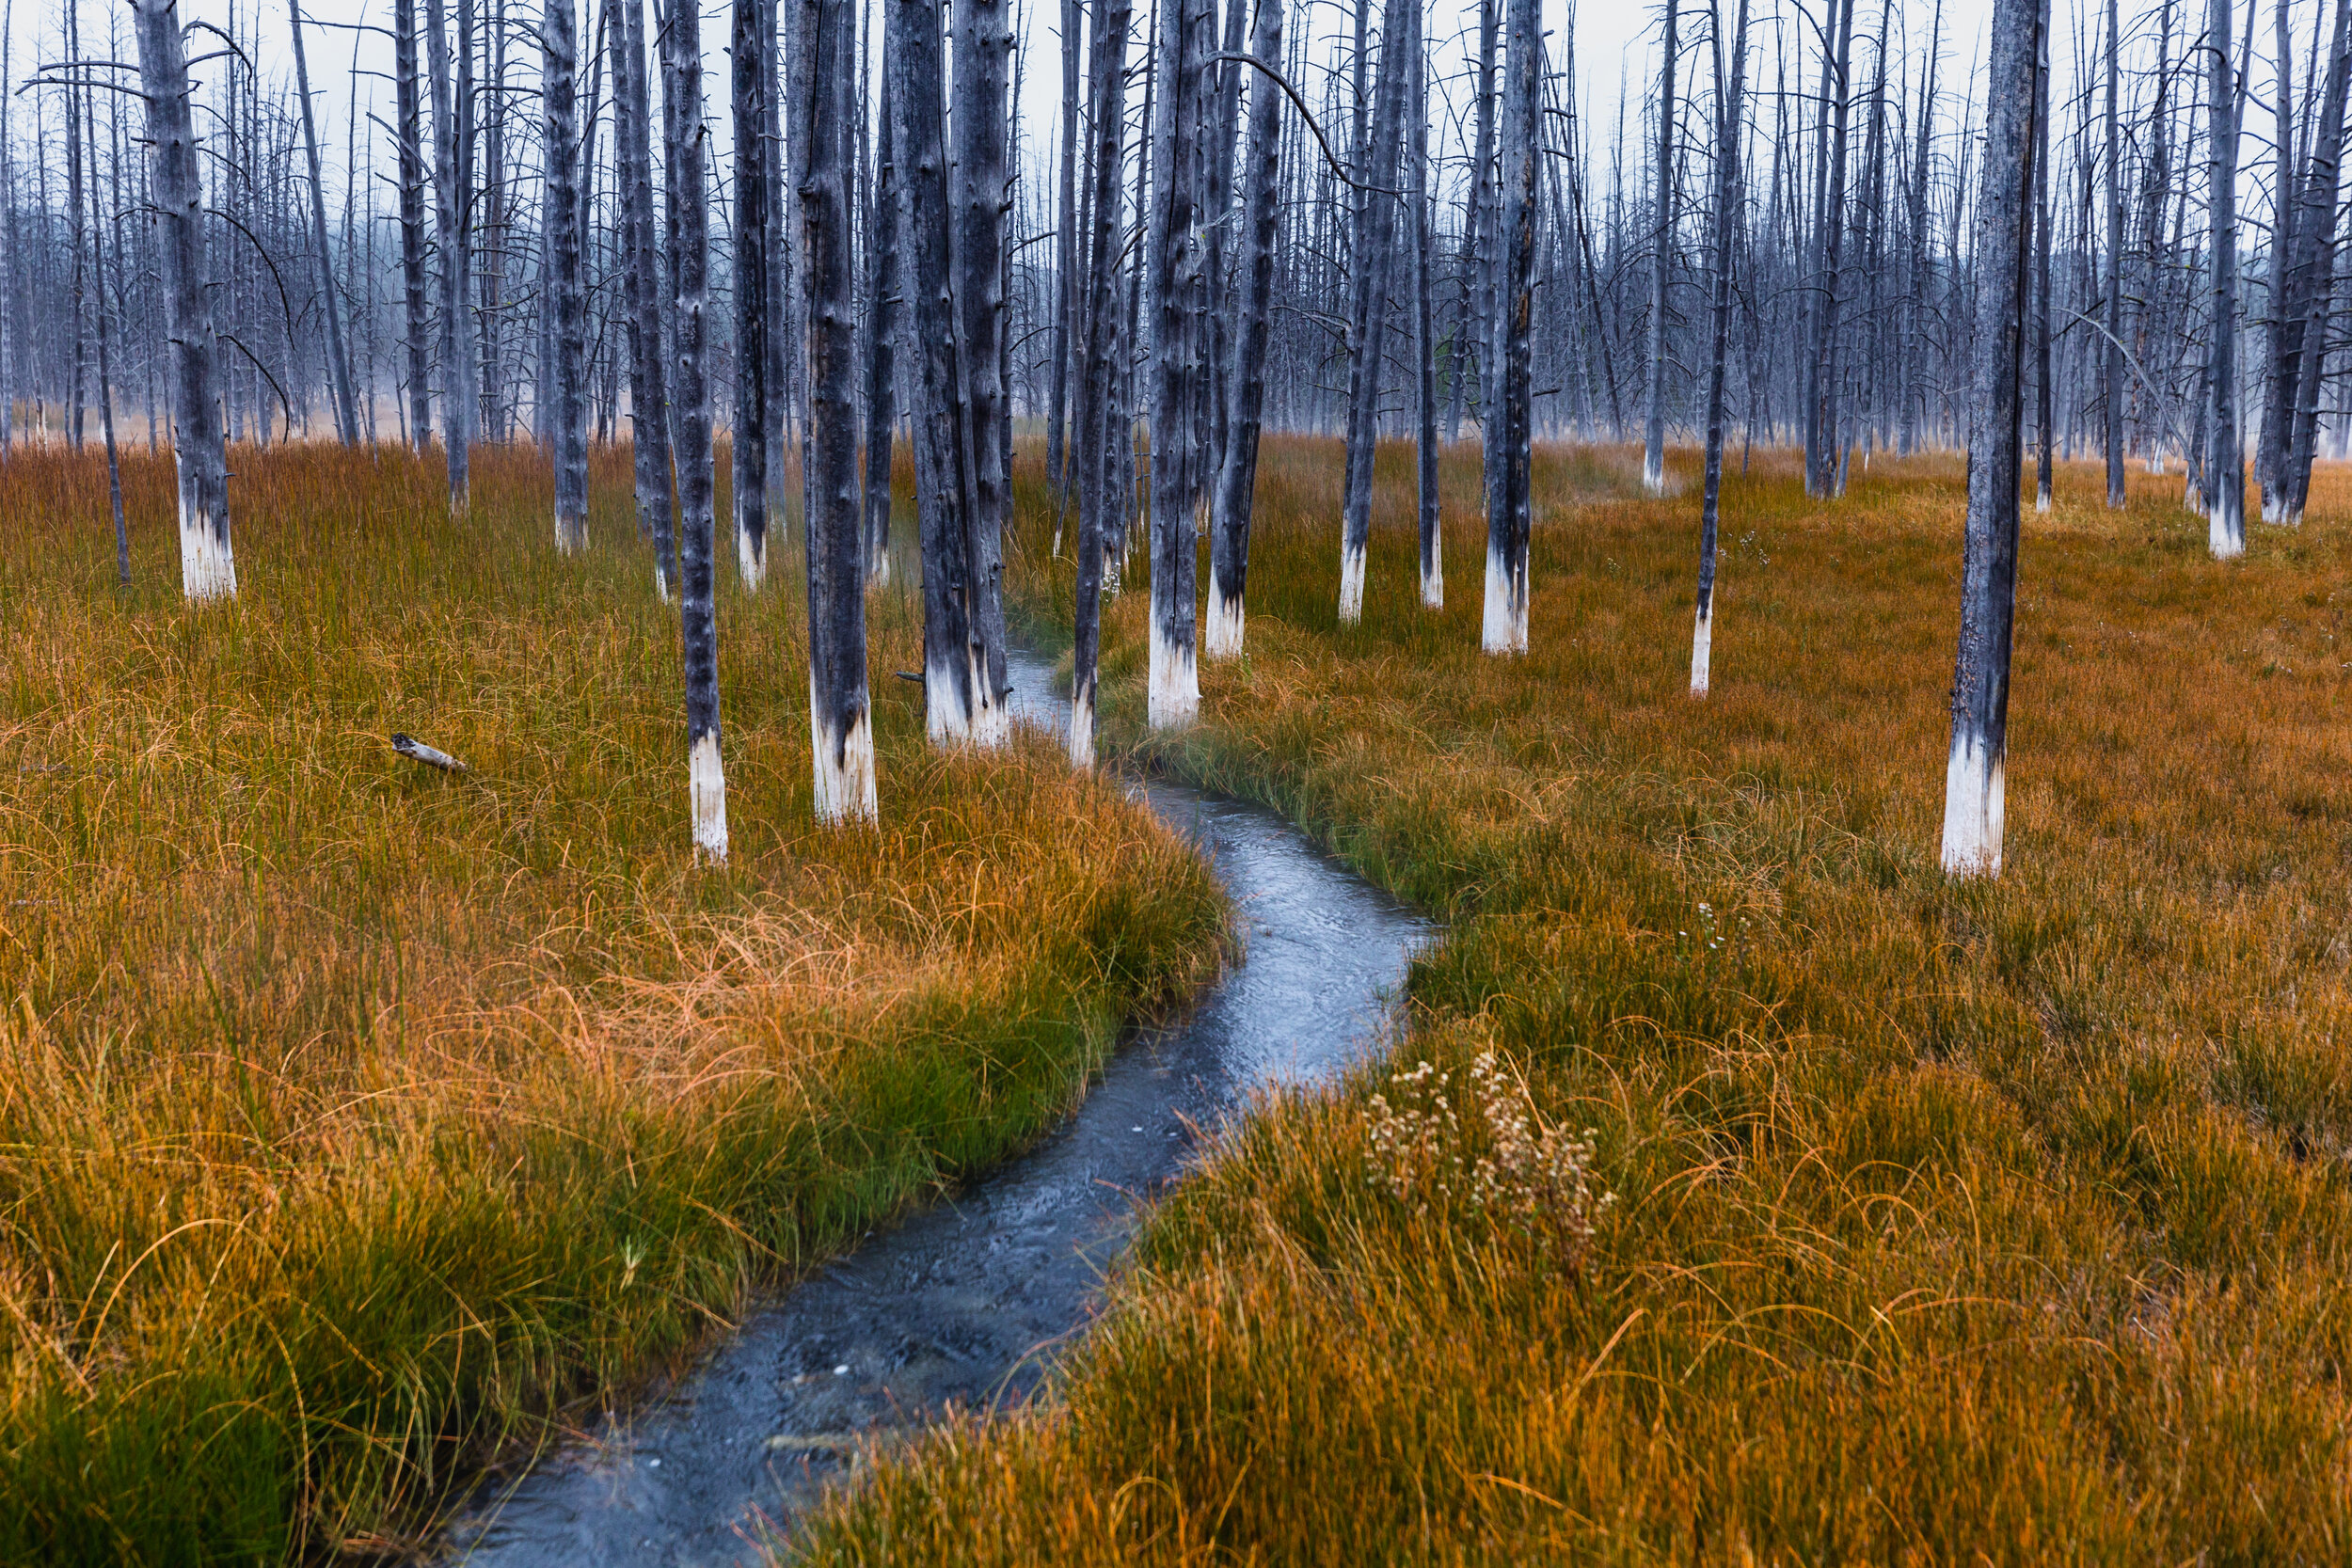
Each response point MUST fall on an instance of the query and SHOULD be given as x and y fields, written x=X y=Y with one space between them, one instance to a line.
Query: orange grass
x=1953 y=1222
x=354 y=1117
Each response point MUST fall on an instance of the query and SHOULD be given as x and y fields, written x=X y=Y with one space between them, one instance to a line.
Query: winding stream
x=967 y=1299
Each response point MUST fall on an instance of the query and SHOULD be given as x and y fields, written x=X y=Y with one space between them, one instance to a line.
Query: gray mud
x=970 y=1298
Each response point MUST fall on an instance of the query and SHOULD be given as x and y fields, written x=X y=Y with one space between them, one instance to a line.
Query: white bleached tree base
x=571 y=534
x=1110 y=575
x=1351 y=585
x=1175 y=693
x=707 y=788
x=945 y=720
x=1702 y=651
x=208 y=567
x=1973 y=789
x=844 y=788
x=750 y=559
x=1504 y=629
x=2219 y=537
x=1653 y=476
x=1220 y=638
x=1433 y=576
x=1082 y=729
x=992 y=720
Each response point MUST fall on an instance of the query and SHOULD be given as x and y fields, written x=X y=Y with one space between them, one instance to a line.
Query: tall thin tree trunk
x=690 y=279
x=840 y=722
x=1096 y=468
x=1974 y=777
x=2225 y=464
x=751 y=76
x=2114 y=342
x=2046 y=373
x=1425 y=326
x=449 y=240
x=648 y=377
x=331 y=304
x=567 y=327
x=980 y=185
x=2317 y=269
x=2278 y=382
x=955 y=666
x=1661 y=260
x=1820 y=413
x=1510 y=430
x=1065 y=245
x=1374 y=263
x=105 y=351
x=1725 y=220
x=415 y=318
x=882 y=342
x=208 y=567
x=1178 y=442
x=1237 y=477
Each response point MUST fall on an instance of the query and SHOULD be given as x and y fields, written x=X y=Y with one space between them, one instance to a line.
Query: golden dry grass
x=353 y=1116
x=2000 y=1222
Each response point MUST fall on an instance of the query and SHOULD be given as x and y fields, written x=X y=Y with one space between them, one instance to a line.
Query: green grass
x=355 y=1118
x=2000 y=1222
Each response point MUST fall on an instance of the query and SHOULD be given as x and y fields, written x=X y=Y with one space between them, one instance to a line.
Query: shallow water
x=969 y=1298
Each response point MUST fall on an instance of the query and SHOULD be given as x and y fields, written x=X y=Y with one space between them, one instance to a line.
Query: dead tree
x=1973 y=778
x=881 y=345
x=2225 y=464
x=2112 y=342
x=1373 y=259
x=980 y=182
x=208 y=567
x=1108 y=94
x=644 y=293
x=1509 y=424
x=1180 y=412
x=331 y=305
x=689 y=283
x=751 y=76
x=841 y=724
x=565 y=310
x=1662 y=262
x=415 y=318
x=449 y=240
x=1724 y=222
x=1424 y=326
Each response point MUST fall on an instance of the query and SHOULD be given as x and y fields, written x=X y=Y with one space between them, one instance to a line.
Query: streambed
x=970 y=1298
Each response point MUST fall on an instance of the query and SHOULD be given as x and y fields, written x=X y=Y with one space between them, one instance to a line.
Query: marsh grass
x=357 y=1119
x=1952 y=1222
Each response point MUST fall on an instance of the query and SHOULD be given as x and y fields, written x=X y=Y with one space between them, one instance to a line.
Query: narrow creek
x=969 y=1298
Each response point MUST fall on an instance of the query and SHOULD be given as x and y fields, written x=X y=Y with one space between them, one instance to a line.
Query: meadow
x=362 y=1126
x=1985 y=1221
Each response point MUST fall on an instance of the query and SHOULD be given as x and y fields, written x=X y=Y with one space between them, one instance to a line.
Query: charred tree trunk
x=1972 y=779
x=1065 y=247
x=1820 y=403
x=331 y=305
x=2318 y=266
x=1096 y=469
x=751 y=76
x=2113 y=343
x=104 y=333
x=1726 y=219
x=2271 y=449
x=1662 y=259
x=1424 y=326
x=1237 y=477
x=840 y=725
x=208 y=568
x=2046 y=373
x=983 y=51
x=1510 y=428
x=567 y=327
x=649 y=380
x=955 y=667
x=1179 y=440
x=881 y=344
x=415 y=318
x=449 y=240
x=1374 y=263
x=2225 y=465
x=690 y=249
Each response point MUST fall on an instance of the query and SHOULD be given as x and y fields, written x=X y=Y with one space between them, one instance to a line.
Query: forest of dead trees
x=827 y=229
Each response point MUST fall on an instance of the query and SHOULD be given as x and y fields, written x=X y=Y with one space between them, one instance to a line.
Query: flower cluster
x=1489 y=1153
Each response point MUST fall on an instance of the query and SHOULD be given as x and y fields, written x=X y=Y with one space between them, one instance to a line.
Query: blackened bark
x=449 y=240
x=567 y=327
x=1237 y=477
x=2286 y=326
x=882 y=343
x=2046 y=376
x=1179 y=436
x=751 y=75
x=1096 y=468
x=1510 y=428
x=1065 y=247
x=1725 y=223
x=1417 y=150
x=981 y=195
x=2113 y=343
x=1661 y=260
x=416 y=321
x=954 y=667
x=840 y=725
x=649 y=380
x=2225 y=467
x=1374 y=263
x=207 y=567
x=2315 y=290
x=1973 y=787
x=1820 y=410
x=330 y=303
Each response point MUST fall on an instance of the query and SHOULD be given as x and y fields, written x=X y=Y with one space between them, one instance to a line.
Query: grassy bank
x=353 y=1116
x=1991 y=1222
